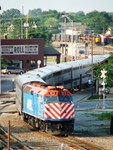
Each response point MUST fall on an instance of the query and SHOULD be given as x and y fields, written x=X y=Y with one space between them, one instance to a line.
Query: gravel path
x=33 y=138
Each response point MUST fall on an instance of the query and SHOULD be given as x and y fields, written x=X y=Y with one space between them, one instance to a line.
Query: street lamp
x=38 y=63
x=69 y=32
x=0 y=53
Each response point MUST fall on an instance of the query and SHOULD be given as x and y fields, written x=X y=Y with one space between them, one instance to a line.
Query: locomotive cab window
x=67 y=99
x=55 y=99
x=51 y=99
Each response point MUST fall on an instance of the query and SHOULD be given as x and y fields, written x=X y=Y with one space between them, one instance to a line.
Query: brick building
x=23 y=52
x=26 y=53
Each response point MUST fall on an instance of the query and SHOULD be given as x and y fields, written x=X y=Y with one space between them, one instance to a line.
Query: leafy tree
x=11 y=13
x=50 y=22
x=99 y=21
x=107 y=66
x=35 y=12
x=78 y=16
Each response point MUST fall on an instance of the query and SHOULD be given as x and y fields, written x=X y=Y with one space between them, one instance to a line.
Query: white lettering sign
x=19 y=49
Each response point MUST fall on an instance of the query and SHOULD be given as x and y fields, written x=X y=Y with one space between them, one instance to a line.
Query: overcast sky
x=59 y=5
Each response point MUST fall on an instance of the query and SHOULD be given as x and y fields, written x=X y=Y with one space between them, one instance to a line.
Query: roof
x=27 y=78
x=50 y=51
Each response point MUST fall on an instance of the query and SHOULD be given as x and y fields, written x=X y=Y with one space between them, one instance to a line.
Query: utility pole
x=71 y=21
x=26 y=25
x=65 y=54
x=92 y=45
x=72 y=40
x=0 y=52
x=9 y=135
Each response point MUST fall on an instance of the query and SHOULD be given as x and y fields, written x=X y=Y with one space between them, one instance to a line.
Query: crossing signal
x=103 y=73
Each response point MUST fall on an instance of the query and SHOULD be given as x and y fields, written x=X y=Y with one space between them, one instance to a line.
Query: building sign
x=69 y=32
x=19 y=49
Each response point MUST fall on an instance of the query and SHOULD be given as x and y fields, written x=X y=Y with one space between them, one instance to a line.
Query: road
x=81 y=103
x=82 y=94
x=7 y=83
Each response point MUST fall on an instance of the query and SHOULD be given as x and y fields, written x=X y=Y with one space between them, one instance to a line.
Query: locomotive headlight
x=71 y=116
x=48 y=109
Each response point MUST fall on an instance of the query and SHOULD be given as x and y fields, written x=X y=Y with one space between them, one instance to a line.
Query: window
x=33 y=64
x=51 y=99
x=66 y=99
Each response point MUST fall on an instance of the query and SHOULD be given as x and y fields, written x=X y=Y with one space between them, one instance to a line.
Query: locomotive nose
x=60 y=108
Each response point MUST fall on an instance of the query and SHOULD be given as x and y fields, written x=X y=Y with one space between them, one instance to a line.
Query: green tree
x=99 y=21
x=50 y=22
x=108 y=66
x=35 y=12
x=11 y=13
x=78 y=16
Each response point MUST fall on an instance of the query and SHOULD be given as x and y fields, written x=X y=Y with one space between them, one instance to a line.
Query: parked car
x=12 y=70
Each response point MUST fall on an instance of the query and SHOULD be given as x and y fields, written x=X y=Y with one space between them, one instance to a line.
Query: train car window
x=76 y=68
x=44 y=78
x=48 y=77
x=67 y=70
x=68 y=81
x=57 y=73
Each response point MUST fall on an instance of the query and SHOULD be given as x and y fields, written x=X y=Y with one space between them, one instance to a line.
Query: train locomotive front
x=48 y=108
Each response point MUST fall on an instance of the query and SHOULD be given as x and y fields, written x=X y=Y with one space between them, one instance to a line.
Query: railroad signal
x=103 y=73
x=103 y=83
x=103 y=76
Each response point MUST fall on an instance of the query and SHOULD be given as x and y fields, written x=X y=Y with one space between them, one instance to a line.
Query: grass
x=105 y=116
x=51 y=59
x=95 y=96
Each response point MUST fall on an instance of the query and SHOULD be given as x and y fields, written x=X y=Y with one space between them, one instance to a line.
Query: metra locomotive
x=48 y=108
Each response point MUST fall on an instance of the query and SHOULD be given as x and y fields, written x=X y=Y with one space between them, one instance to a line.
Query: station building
x=27 y=53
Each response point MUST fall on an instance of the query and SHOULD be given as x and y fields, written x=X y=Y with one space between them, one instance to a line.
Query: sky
x=59 y=5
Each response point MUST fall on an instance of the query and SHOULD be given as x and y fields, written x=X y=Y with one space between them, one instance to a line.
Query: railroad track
x=79 y=144
x=74 y=142
x=10 y=142
x=71 y=141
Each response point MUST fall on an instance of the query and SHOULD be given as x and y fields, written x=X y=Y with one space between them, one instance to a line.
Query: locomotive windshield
x=67 y=99
x=54 y=99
